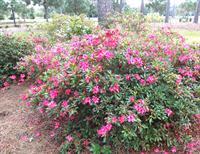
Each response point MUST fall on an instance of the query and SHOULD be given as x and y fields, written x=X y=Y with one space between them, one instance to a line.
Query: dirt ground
x=18 y=133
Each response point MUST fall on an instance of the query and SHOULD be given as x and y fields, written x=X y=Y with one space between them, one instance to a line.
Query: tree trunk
x=104 y=7
x=142 y=7
x=46 y=15
x=121 y=6
x=196 y=16
x=167 y=11
x=13 y=15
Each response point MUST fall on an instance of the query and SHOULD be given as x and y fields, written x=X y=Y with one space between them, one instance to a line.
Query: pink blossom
x=150 y=79
x=51 y=105
x=22 y=76
x=76 y=93
x=84 y=65
x=95 y=90
x=173 y=149
x=69 y=138
x=168 y=112
x=114 y=88
x=142 y=82
x=13 y=77
x=114 y=119
x=53 y=93
x=131 y=118
x=95 y=99
x=131 y=99
x=87 y=79
x=56 y=125
x=64 y=103
x=104 y=129
x=127 y=77
x=67 y=91
x=178 y=79
x=28 y=104
x=137 y=76
x=122 y=118
x=156 y=150
x=86 y=100
x=109 y=54
x=140 y=108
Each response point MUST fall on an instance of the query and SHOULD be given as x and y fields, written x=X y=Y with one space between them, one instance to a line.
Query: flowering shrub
x=11 y=51
x=63 y=27
x=108 y=90
x=133 y=22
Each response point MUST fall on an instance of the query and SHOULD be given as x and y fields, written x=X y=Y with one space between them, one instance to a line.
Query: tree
x=142 y=7
x=104 y=7
x=4 y=9
x=196 y=16
x=46 y=4
x=77 y=7
x=167 y=11
x=187 y=7
x=157 y=6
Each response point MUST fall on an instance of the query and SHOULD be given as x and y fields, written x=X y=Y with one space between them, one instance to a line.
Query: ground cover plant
x=109 y=91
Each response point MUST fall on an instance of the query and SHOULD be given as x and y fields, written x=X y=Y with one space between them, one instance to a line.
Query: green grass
x=26 y=34
x=190 y=35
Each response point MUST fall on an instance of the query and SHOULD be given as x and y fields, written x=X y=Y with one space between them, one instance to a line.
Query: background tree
x=187 y=7
x=77 y=7
x=167 y=11
x=142 y=7
x=196 y=16
x=104 y=7
x=157 y=6
x=3 y=9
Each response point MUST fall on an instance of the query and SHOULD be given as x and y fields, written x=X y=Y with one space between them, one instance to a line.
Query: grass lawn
x=190 y=35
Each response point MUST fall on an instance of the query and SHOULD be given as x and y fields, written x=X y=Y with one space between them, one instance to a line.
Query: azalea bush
x=12 y=49
x=108 y=92
x=63 y=27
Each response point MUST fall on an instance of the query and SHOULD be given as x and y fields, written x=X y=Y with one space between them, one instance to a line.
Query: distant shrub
x=63 y=27
x=11 y=51
x=134 y=22
x=153 y=17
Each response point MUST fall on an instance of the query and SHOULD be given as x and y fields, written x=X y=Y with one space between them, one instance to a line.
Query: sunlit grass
x=190 y=35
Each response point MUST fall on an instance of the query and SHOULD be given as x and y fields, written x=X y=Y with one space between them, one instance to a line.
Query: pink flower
x=114 y=119
x=76 y=93
x=156 y=150
x=179 y=79
x=127 y=77
x=69 y=138
x=53 y=93
x=114 y=88
x=28 y=104
x=95 y=90
x=22 y=76
x=68 y=91
x=86 y=100
x=51 y=105
x=64 y=103
x=95 y=99
x=137 y=76
x=56 y=125
x=13 y=77
x=142 y=82
x=140 y=108
x=122 y=118
x=151 y=79
x=84 y=65
x=131 y=118
x=173 y=149
x=168 y=112
x=104 y=129
x=87 y=79
x=131 y=99
x=108 y=54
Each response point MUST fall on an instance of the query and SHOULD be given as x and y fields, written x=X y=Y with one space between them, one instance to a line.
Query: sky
x=137 y=3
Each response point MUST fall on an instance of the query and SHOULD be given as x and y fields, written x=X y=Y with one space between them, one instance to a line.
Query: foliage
x=187 y=7
x=63 y=27
x=157 y=6
x=110 y=91
x=77 y=7
x=153 y=17
x=3 y=10
x=11 y=51
x=134 y=22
